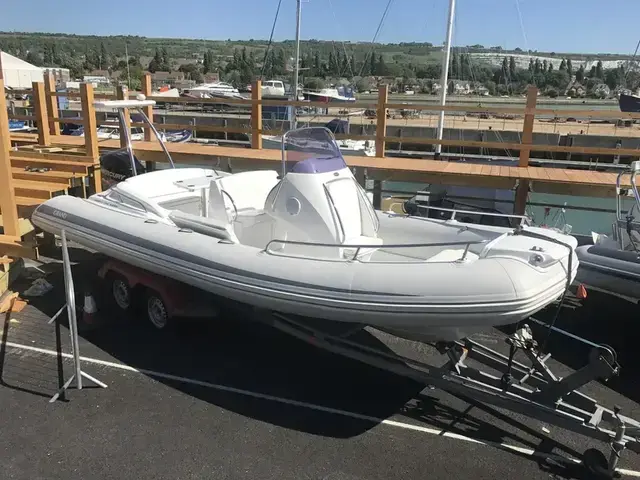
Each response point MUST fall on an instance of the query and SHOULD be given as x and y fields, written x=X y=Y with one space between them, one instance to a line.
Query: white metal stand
x=78 y=374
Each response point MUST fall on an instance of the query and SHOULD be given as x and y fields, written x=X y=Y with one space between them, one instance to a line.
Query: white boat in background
x=111 y=131
x=273 y=88
x=330 y=95
x=307 y=241
x=214 y=90
x=347 y=147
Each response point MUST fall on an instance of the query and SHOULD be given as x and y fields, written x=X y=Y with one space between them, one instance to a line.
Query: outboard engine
x=116 y=167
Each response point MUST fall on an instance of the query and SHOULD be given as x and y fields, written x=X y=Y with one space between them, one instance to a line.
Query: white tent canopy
x=18 y=73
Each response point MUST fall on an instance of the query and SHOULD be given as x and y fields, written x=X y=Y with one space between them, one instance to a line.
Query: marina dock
x=73 y=160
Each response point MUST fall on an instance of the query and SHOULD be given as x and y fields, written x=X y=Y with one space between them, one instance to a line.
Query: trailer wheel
x=120 y=291
x=157 y=311
x=596 y=464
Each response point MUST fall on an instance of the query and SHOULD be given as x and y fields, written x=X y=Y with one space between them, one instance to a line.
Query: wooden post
x=52 y=104
x=89 y=118
x=91 y=133
x=7 y=192
x=522 y=192
x=381 y=120
x=122 y=93
x=148 y=111
x=40 y=109
x=256 y=114
x=527 y=130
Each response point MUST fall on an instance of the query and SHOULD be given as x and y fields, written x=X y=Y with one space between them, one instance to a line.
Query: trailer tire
x=596 y=464
x=156 y=309
x=120 y=291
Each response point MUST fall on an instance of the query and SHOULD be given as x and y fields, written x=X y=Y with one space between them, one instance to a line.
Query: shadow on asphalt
x=235 y=353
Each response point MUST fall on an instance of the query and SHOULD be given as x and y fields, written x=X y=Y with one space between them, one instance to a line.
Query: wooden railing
x=48 y=118
x=46 y=111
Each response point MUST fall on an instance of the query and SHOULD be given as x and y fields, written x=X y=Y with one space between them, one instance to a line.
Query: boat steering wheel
x=235 y=209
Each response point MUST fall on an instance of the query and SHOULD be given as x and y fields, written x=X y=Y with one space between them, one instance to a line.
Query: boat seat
x=204 y=225
x=246 y=192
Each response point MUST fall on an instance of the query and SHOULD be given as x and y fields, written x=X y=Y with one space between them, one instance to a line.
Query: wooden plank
x=148 y=111
x=52 y=104
x=51 y=176
x=40 y=108
x=486 y=170
x=89 y=117
x=381 y=120
x=122 y=93
x=527 y=129
x=256 y=114
x=55 y=157
x=7 y=191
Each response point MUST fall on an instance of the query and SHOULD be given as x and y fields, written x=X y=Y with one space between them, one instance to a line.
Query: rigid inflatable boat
x=612 y=264
x=307 y=241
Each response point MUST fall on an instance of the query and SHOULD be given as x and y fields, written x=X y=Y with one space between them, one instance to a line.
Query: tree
x=593 y=73
x=314 y=83
x=580 y=74
x=599 y=70
x=552 y=92
x=563 y=65
x=104 y=57
x=531 y=65
x=155 y=65
x=192 y=72
x=512 y=67
x=569 y=67
x=372 y=64
x=333 y=69
x=166 y=62
x=505 y=70
x=550 y=67
x=33 y=58
x=381 y=68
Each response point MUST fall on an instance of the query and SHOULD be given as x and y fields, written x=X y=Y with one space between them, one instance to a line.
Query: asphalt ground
x=230 y=398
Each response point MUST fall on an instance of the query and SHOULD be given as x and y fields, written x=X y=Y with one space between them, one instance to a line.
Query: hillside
x=414 y=65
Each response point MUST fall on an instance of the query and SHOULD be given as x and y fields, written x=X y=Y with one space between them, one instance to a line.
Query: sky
x=592 y=26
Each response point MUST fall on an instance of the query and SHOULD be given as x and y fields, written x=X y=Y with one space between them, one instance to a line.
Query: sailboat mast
x=296 y=69
x=444 y=81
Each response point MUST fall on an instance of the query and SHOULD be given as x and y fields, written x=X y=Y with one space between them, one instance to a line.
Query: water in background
x=582 y=222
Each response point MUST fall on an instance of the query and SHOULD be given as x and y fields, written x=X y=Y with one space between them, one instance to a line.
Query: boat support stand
x=532 y=390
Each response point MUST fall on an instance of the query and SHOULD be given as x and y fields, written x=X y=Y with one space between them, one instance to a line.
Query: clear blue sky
x=549 y=25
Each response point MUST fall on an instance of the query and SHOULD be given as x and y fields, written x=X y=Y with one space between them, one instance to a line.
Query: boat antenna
x=296 y=70
x=126 y=55
x=266 y=52
x=629 y=63
x=444 y=81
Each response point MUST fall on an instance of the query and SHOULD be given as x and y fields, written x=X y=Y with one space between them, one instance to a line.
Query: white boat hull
x=423 y=301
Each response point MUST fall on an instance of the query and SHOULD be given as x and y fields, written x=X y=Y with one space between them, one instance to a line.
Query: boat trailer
x=532 y=390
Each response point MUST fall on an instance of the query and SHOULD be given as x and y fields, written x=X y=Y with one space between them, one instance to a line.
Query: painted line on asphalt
x=358 y=416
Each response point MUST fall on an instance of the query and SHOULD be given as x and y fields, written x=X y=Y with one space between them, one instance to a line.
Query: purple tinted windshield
x=319 y=165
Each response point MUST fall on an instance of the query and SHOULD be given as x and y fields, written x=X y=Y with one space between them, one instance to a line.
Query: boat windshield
x=310 y=150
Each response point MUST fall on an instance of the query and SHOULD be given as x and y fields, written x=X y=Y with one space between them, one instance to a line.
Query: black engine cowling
x=116 y=167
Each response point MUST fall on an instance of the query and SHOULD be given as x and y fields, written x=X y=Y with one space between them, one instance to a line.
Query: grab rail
x=523 y=218
x=627 y=222
x=358 y=247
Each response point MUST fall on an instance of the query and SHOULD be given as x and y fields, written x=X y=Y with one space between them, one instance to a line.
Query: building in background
x=60 y=75
x=17 y=73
